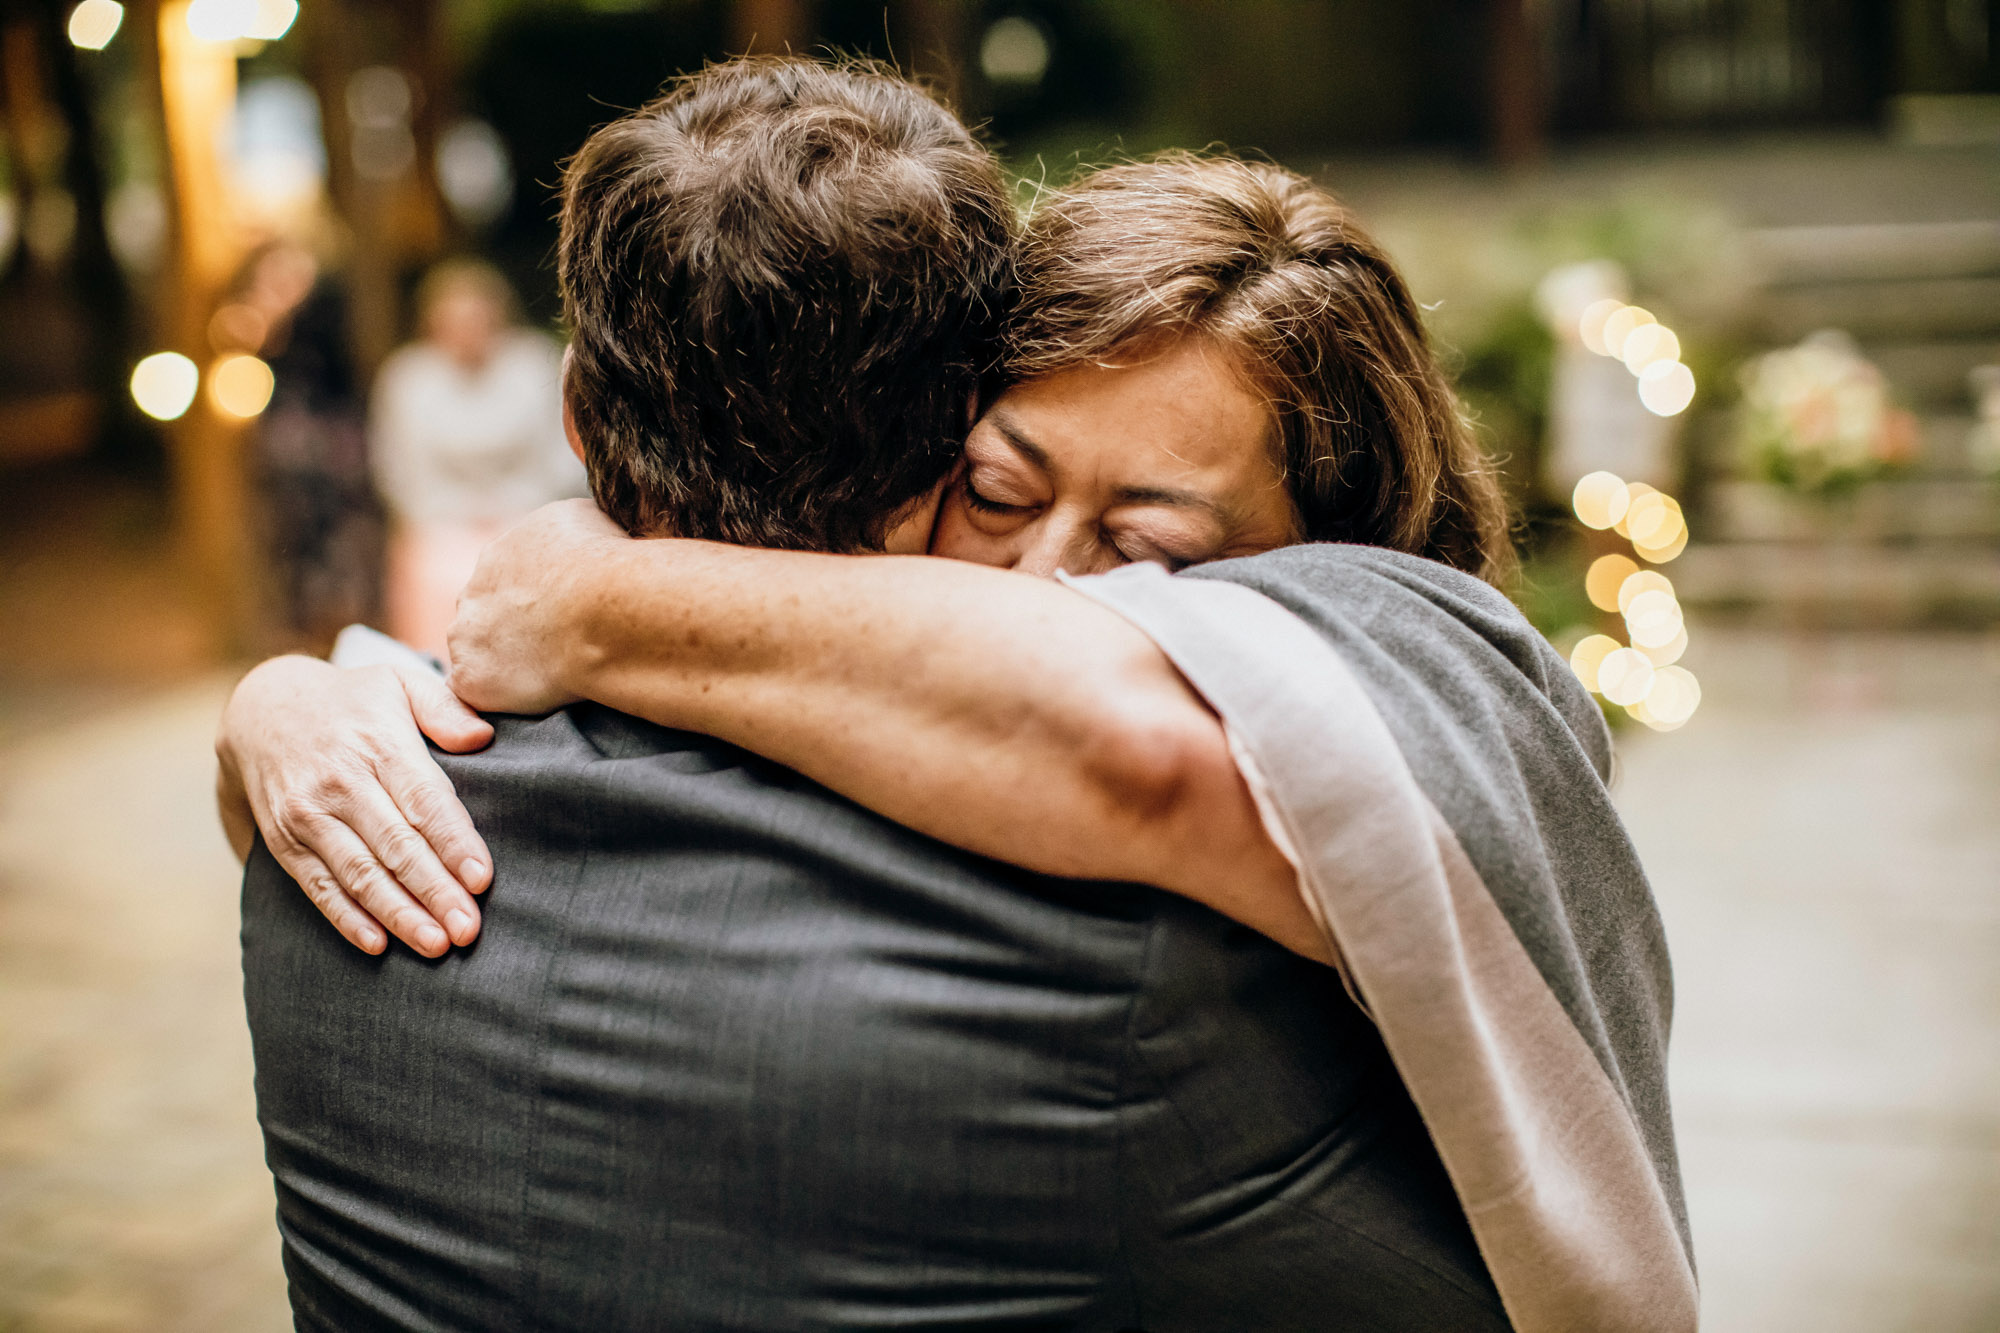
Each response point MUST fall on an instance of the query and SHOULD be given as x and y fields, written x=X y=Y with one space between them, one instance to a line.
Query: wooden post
x=197 y=94
x=768 y=26
x=1517 y=126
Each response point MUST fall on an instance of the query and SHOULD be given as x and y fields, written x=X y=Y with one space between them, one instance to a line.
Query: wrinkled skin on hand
x=331 y=764
x=509 y=644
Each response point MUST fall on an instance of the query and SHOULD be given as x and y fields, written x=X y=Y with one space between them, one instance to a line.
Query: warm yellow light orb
x=1646 y=580
x=272 y=20
x=240 y=386
x=1600 y=499
x=1665 y=654
x=1659 y=555
x=1674 y=697
x=1657 y=527
x=94 y=23
x=1589 y=652
x=1590 y=326
x=1621 y=325
x=1654 y=519
x=1625 y=676
x=1647 y=344
x=1633 y=491
x=1607 y=574
x=221 y=20
x=1666 y=388
x=163 y=385
x=1653 y=619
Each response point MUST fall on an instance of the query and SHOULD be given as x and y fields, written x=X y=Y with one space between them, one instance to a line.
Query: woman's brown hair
x=1370 y=437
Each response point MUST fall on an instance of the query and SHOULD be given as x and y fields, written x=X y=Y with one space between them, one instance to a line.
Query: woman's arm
x=1004 y=714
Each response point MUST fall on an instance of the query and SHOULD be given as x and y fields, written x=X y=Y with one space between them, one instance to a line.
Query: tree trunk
x=769 y=26
x=197 y=82
x=1517 y=126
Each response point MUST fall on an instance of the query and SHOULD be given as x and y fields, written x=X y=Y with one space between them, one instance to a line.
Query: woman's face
x=1168 y=460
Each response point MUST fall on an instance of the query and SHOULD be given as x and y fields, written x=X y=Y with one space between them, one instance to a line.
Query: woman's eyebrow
x=1022 y=445
x=1137 y=495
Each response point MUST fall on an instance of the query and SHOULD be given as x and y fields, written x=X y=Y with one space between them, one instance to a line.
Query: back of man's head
x=782 y=280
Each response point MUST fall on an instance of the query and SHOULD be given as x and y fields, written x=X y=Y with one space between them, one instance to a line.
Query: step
x=1877 y=252
x=1844 y=583
x=1926 y=309
x=1933 y=373
x=1905 y=509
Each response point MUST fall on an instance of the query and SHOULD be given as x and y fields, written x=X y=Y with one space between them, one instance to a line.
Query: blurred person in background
x=465 y=436
x=321 y=525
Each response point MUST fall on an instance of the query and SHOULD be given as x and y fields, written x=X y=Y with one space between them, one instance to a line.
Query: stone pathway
x=1825 y=840
x=133 y=1194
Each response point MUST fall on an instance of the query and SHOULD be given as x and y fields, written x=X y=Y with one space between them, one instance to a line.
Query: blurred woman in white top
x=465 y=436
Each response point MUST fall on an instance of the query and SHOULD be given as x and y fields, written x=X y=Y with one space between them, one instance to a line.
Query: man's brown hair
x=1369 y=435
x=782 y=280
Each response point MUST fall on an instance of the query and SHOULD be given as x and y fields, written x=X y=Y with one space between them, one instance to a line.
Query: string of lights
x=1641 y=675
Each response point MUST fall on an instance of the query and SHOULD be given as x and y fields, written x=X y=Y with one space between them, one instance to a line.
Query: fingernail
x=432 y=939
x=371 y=941
x=472 y=874
x=458 y=925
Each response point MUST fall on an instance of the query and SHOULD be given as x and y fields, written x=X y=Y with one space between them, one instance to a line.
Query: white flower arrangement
x=1817 y=418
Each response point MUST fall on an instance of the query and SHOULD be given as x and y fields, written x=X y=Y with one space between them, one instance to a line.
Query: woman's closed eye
x=990 y=504
x=1133 y=551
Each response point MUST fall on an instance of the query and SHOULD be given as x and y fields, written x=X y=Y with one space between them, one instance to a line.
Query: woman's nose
x=1052 y=545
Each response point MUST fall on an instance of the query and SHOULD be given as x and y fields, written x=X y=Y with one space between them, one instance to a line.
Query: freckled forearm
x=1003 y=714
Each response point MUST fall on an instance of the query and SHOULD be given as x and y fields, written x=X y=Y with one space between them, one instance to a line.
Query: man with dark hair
x=732 y=1052
x=782 y=282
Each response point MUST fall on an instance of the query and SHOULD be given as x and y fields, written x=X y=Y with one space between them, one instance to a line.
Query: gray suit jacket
x=733 y=1053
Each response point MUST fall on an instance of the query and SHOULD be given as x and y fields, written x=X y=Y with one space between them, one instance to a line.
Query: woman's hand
x=331 y=766
x=512 y=644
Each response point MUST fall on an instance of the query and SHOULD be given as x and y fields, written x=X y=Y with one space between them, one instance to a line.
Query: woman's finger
x=396 y=846
x=424 y=796
x=442 y=715
x=367 y=882
x=310 y=874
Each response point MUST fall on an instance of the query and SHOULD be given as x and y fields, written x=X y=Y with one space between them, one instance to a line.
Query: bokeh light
x=240 y=385
x=1625 y=676
x=221 y=20
x=1654 y=519
x=474 y=172
x=1646 y=580
x=1607 y=574
x=1647 y=344
x=1014 y=51
x=1590 y=327
x=1659 y=555
x=1600 y=500
x=1666 y=388
x=1588 y=654
x=1633 y=490
x=1653 y=619
x=1668 y=653
x=1620 y=325
x=94 y=23
x=1672 y=700
x=272 y=20
x=164 y=384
